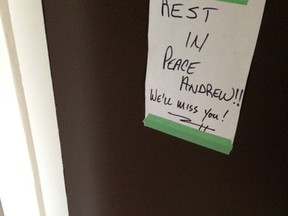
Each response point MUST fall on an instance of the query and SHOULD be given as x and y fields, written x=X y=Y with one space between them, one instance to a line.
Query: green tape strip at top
x=207 y=140
x=243 y=2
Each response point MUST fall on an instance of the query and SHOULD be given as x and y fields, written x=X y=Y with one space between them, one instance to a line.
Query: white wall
x=31 y=88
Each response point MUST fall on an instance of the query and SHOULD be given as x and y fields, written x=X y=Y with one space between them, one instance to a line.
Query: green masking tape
x=207 y=140
x=243 y=2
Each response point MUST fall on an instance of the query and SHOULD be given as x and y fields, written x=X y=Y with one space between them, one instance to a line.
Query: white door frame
x=32 y=180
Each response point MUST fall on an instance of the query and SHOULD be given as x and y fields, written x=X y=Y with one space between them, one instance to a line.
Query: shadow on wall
x=1 y=209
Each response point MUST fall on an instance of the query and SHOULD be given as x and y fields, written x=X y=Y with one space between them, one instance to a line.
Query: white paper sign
x=199 y=56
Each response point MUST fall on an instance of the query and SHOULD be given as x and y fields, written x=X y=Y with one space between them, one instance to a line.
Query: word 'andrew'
x=206 y=89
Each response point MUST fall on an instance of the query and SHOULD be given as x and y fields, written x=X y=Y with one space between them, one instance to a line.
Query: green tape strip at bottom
x=207 y=140
x=243 y=2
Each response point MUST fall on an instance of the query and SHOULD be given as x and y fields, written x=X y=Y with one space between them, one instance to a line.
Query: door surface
x=114 y=166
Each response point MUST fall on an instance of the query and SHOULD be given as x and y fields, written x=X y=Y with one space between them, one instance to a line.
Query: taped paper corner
x=243 y=2
x=201 y=138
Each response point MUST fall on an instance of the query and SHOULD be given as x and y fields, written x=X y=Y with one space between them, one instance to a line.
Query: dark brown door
x=114 y=166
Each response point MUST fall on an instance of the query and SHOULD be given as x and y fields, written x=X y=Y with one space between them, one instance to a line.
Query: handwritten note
x=199 y=56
